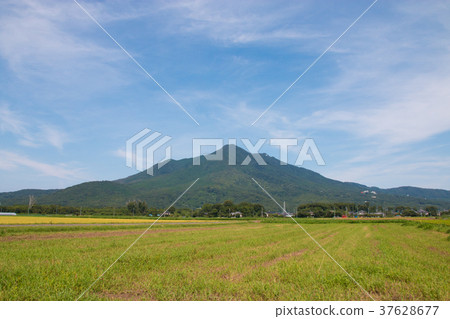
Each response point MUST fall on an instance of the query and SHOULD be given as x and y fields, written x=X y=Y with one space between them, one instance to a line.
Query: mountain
x=219 y=181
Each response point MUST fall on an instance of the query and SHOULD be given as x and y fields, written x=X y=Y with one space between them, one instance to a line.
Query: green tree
x=132 y=207
x=142 y=207
x=432 y=210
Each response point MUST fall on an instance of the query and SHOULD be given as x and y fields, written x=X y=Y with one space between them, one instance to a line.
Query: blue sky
x=377 y=104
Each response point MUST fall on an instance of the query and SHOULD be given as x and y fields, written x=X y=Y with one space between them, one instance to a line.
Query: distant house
x=361 y=213
x=377 y=214
x=8 y=214
x=422 y=212
x=272 y=214
x=286 y=214
x=236 y=215
x=282 y=214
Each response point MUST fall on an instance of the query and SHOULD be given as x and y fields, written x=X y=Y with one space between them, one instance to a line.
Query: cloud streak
x=240 y=23
x=31 y=132
x=50 y=41
x=12 y=161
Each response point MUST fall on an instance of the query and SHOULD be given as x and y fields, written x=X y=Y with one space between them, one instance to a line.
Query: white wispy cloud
x=51 y=41
x=53 y=136
x=398 y=81
x=120 y=152
x=240 y=22
x=31 y=132
x=10 y=122
x=12 y=161
x=401 y=169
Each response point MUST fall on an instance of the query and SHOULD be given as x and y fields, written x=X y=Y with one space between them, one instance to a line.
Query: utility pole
x=31 y=202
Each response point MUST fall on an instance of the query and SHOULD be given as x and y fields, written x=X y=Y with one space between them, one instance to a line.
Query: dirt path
x=96 y=234
x=107 y=224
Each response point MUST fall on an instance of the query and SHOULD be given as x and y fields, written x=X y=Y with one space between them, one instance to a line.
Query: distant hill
x=22 y=196
x=219 y=181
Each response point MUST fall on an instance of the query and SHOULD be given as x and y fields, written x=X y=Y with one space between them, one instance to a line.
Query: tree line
x=351 y=209
x=225 y=209
x=63 y=210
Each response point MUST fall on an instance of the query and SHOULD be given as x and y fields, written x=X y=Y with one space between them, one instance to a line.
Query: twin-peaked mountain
x=219 y=181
